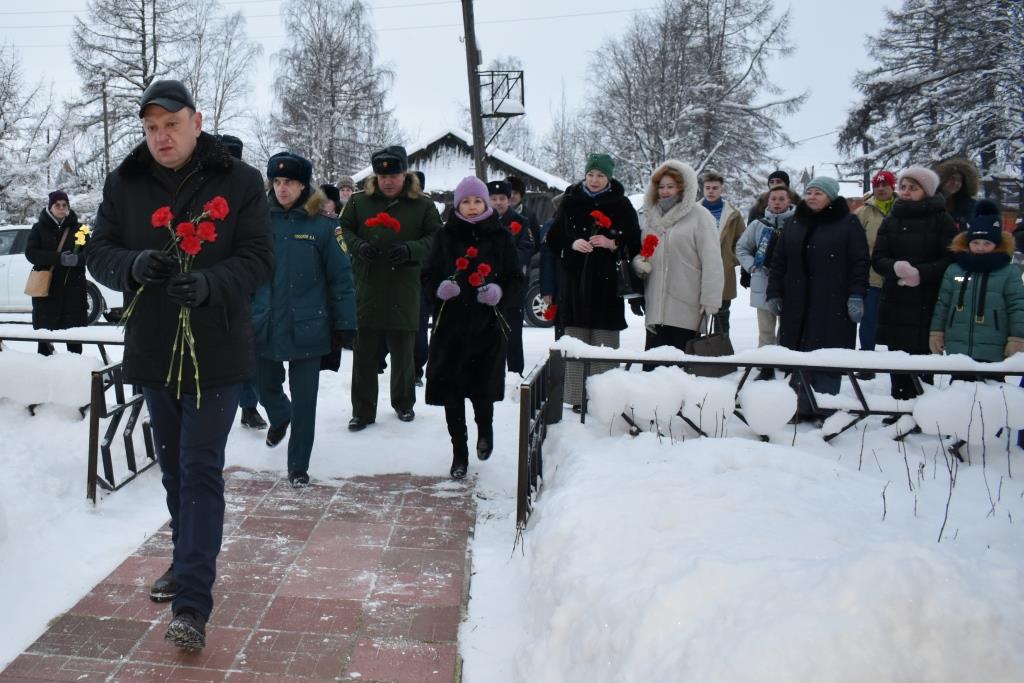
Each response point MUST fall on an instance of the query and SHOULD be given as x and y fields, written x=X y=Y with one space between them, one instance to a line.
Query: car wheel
x=535 y=307
x=94 y=305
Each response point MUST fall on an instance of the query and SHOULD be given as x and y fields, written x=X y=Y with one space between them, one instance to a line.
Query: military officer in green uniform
x=389 y=229
x=306 y=311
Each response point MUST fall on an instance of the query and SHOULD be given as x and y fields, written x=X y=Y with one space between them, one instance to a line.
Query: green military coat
x=388 y=295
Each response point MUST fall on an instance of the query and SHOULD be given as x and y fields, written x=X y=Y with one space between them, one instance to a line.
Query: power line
x=507 y=20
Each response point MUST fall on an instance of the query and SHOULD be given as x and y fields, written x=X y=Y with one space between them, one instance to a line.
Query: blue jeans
x=869 y=323
x=190 y=445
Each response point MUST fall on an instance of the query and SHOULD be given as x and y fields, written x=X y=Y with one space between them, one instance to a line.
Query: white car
x=14 y=270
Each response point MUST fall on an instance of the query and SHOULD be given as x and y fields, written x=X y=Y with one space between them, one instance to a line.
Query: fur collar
x=966 y=169
x=411 y=188
x=834 y=212
x=210 y=153
x=311 y=203
x=902 y=208
x=686 y=202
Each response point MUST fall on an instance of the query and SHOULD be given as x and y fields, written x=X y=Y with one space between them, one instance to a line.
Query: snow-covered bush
x=767 y=406
x=973 y=411
x=31 y=379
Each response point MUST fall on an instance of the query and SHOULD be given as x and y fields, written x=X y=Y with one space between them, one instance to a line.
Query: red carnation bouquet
x=650 y=243
x=384 y=220
x=187 y=239
x=476 y=279
x=516 y=227
x=601 y=221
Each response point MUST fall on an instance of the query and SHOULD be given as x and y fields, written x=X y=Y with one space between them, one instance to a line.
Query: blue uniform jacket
x=311 y=292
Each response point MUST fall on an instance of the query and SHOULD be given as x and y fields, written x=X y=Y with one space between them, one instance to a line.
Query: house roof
x=444 y=168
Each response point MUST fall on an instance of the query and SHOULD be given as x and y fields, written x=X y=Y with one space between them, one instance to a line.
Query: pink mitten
x=908 y=274
x=489 y=295
x=448 y=290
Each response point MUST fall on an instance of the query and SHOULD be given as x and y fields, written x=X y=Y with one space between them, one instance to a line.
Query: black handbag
x=714 y=343
x=630 y=286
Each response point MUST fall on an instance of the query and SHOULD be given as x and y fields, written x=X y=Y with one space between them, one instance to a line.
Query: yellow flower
x=80 y=239
x=86 y=229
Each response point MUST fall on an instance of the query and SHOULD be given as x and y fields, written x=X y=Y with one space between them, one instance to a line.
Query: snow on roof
x=445 y=172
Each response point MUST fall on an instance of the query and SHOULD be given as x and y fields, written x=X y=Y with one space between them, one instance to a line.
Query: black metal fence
x=541 y=404
x=104 y=380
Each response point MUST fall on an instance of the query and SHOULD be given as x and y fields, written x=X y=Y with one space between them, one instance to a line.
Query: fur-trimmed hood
x=961 y=245
x=311 y=204
x=689 y=195
x=411 y=188
x=210 y=153
x=966 y=169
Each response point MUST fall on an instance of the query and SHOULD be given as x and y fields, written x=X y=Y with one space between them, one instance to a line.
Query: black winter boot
x=187 y=630
x=455 y=416
x=460 y=458
x=276 y=434
x=164 y=588
x=252 y=419
x=484 y=441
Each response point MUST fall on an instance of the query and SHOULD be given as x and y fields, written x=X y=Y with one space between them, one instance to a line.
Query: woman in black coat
x=912 y=253
x=818 y=279
x=66 y=305
x=473 y=272
x=590 y=247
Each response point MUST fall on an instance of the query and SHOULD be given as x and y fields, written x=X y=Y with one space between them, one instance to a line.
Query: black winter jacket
x=467 y=347
x=66 y=304
x=239 y=261
x=820 y=260
x=590 y=296
x=919 y=233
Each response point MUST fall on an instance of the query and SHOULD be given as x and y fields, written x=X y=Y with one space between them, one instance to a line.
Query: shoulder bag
x=714 y=343
x=38 y=284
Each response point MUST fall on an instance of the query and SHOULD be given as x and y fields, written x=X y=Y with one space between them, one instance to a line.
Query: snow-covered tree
x=948 y=82
x=564 y=149
x=118 y=49
x=330 y=88
x=217 y=60
x=691 y=80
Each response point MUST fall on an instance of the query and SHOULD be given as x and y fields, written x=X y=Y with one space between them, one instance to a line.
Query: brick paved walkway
x=358 y=579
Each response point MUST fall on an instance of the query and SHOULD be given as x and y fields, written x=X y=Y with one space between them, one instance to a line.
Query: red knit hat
x=884 y=178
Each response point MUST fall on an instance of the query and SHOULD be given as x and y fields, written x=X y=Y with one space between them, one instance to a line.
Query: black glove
x=399 y=253
x=152 y=267
x=342 y=339
x=744 y=278
x=368 y=251
x=189 y=289
x=69 y=260
x=637 y=305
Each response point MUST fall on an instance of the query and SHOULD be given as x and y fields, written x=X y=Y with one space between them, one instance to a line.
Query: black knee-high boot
x=455 y=416
x=483 y=414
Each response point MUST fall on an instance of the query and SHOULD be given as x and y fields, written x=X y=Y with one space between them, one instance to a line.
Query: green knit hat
x=829 y=186
x=601 y=162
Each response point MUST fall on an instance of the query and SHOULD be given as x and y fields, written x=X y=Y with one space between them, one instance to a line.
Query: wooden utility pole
x=106 y=130
x=472 y=64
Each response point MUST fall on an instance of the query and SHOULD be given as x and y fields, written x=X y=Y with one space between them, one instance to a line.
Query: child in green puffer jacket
x=980 y=309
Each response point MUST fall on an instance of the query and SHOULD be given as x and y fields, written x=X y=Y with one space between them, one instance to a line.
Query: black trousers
x=190 y=443
x=455 y=416
x=666 y=335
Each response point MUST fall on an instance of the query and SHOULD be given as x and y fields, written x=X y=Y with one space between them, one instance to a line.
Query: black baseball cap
x=170 y=94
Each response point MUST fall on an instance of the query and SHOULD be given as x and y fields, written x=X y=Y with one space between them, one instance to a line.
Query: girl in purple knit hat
x=474 y=274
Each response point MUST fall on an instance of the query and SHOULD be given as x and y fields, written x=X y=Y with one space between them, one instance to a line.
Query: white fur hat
x=926 y=178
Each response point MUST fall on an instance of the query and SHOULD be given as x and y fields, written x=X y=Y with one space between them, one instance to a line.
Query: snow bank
x=63 y=378
x=733 y=560
x=976 y=412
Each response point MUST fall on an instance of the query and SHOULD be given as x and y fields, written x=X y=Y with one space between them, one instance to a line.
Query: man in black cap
x=182 y=169
x=518 y=225
x=389 y=229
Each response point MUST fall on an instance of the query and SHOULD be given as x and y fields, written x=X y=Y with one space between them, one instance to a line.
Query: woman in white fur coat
x=684 y=277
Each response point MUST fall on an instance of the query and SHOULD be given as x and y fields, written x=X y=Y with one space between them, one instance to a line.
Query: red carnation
x=648 y=247
x=373 y=222
x=391 y=222
x=216 y=208
x=516 y=227
x=601 y=219
x=207 y=231
x=191 y=245
x=476 y=279
x=185 y=230
x=550 y=312
x=484 y=269
x=461 y=263
x=471 y=252
x=162 y=217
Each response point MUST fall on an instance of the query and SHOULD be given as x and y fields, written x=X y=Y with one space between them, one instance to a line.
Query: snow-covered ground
x=647 y=558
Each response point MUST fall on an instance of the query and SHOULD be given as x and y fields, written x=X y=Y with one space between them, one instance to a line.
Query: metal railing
x=540 y=404
x=105 y=379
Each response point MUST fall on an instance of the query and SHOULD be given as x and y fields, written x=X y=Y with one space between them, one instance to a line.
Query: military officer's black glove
x=152 y=267
x=188 y=289
x=368 y=251
x=342 y=339
x=637 y=306
x=399 y=253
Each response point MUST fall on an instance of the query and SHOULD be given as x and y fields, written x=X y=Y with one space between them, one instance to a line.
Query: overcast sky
x=421 y=40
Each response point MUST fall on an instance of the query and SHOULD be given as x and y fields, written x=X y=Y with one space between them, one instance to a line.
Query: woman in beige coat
x=684 y=277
